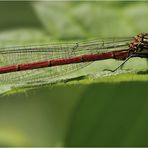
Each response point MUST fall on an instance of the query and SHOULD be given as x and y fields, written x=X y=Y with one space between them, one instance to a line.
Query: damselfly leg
x=141 y=55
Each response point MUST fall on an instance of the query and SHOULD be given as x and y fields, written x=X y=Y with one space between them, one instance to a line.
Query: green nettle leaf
x=81 y=105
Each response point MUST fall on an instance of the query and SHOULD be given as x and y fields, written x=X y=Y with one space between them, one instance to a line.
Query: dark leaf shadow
x=110 y=115
x=143 y=72
x=17 y=14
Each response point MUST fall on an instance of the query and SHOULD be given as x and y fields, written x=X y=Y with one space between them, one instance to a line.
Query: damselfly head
x=139 y=43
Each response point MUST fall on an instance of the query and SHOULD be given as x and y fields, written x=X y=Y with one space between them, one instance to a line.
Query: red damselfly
x=34 y=64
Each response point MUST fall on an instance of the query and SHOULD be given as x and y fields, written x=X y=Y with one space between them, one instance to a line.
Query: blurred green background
x=96 y=114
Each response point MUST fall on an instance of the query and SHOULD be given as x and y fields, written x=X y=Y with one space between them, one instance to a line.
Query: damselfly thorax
x=139 y=44
x=138 y=47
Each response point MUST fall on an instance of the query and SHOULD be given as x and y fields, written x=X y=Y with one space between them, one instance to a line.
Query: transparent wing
x=27 y=54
